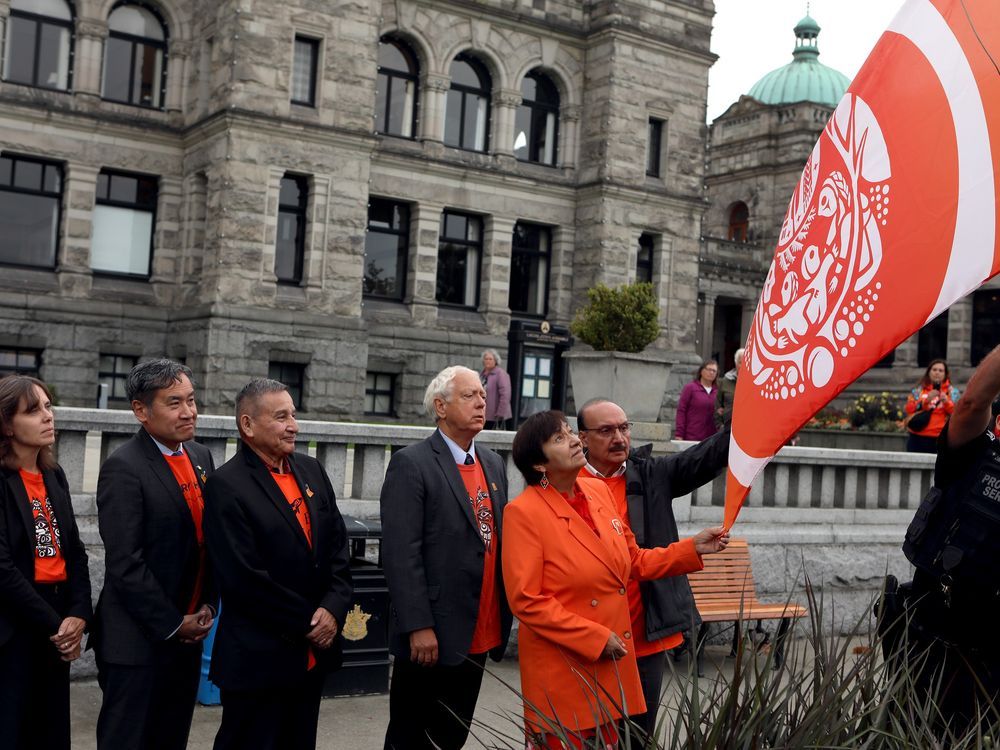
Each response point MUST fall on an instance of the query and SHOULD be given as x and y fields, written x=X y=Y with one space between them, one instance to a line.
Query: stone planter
x=636 y=382
x=853 y=440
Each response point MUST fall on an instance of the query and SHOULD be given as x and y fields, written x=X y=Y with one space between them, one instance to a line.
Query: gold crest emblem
x=356 y=624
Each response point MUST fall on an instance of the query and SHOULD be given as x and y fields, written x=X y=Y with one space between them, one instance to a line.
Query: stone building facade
x=349 y=195
x=755 y=153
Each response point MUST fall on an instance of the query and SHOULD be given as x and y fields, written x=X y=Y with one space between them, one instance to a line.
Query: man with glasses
x=644 y=489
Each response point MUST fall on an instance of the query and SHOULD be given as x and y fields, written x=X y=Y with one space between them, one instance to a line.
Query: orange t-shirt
x=50 y=565
x=487 y=633
x=183 y=472
x=290 y=489
x=642 y=646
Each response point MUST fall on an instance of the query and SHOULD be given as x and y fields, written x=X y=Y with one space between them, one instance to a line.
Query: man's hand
x=424 y=647
x=67 y=639
x=615 y=647
x=205 y=616
x=192 y=629
x=714 y=539
x=324 y=629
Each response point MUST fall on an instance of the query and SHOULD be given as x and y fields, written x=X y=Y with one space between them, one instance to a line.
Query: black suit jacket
x=271 y=579
x=151 y=551
x=20 y=604
x=432 y=550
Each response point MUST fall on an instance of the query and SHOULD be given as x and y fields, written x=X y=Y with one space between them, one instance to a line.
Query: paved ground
x=359 y=723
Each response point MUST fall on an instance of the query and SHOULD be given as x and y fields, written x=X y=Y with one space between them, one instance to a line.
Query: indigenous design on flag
x=893 y=220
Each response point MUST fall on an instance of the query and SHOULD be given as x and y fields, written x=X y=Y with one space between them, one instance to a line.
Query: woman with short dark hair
x=566 y=582
x=44 y=580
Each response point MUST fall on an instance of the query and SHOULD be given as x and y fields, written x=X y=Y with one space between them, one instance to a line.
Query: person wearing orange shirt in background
x=644 y=488
x=44 y=580
x=567 y=585
x=933 y=400
x=158 y=601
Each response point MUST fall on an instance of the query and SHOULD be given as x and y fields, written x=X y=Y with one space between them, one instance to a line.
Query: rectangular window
x=529 y=269
x=290 y=245
x=38 y=48
x=644 y=258
x=386 y=247
x=304 y=71
x=124 y=220
x=379 y=394
x=20 y=362
x=654 y=144
x=112 y=371
x=985 y=323
x=30 y=197
x=460 y=247
x=293 y=375
x=932 y=341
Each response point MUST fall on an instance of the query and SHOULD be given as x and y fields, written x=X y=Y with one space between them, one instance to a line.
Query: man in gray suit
x=442 y=506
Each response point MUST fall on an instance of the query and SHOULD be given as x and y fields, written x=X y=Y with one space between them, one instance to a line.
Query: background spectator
x=928 y=408
x=496 y=381
x=696 y=408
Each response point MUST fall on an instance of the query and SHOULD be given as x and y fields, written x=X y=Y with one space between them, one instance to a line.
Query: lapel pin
x=309 y=492
x=617 y=526
x=494 y=486
x=201 y=473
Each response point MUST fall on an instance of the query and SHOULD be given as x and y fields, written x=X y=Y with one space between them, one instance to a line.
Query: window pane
x=146 y=83
x=123 y=189
x=453 y=272
x=8 y=359
x=528 y=389
x=522 y=131
x=28 y=175
x=369 y=381
x=6 y=170
x=545 y=367
x=130 y=19
x=303 y=86
x=390 y=56
x=53 y=57
x=30 y=229
x=122 y=240
x=53 y=179
x=473 y=228
x=455 y=226
x=401 y=110
x=369 y=403
x=474 y=131
x=20 y=50
x=464 y=74
x=543 y=389
x=384 y=258
x=453 y=119
x=547 y=153
x=291 y=192
x=287 y=256
x=51 y=8
x=117 y=65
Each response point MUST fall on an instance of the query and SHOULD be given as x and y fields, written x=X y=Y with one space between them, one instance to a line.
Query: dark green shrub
x=619 y=319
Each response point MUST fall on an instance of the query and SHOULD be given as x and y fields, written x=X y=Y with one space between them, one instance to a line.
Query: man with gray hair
x=442 y=507
x=278 y=546
x=159 y=599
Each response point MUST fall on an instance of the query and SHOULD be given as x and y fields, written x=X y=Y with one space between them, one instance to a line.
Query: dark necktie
x=469 y=460
x=177 y=453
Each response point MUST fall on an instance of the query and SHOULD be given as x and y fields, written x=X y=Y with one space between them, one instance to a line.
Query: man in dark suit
x=442 y=508
x=158 y=600
x=278 y=546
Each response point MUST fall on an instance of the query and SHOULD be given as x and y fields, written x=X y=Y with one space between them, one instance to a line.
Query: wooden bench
x=724 y=591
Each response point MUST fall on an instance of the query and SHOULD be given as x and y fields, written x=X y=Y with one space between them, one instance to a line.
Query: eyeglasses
x=608 y=430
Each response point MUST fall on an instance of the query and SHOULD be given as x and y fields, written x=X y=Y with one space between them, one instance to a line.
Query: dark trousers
x=641 y=726
x=431 y=708
x=34 y=694
x=149 y=707
x=274 y=719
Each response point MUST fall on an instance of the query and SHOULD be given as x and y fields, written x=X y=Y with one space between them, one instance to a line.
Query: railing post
x=71 y=452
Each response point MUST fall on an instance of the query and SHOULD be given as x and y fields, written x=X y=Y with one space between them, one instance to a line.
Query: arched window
x=39 y=43
x=467 y=113
x=739 y=222
x=396 y=91
x=134 y=58
x=536 y=123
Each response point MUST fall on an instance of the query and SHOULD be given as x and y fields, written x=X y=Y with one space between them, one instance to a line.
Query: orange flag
x=893 y=220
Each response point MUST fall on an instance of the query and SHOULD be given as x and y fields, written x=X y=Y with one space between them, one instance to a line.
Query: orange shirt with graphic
x=183 y=472
x=50 y=565
x=642 y=646
x=487 y=633
x=293 y=495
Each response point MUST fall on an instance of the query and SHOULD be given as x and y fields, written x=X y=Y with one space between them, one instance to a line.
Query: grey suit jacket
x=432 y=549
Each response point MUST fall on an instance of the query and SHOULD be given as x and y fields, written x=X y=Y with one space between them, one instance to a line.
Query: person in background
x=696 y=408
x=496 y=381
x=726 y=393
x=567 y=585
x=44 y=580
x=928 y=408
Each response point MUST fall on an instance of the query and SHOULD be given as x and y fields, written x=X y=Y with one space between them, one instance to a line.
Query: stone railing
x=836 y=515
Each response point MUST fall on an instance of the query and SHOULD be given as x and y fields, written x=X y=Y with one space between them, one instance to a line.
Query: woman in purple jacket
x=696 y=408
x=497 y=384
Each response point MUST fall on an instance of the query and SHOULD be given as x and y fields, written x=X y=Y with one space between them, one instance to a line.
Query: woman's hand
x=614 y=648
x=68 y=638
x=711 y=540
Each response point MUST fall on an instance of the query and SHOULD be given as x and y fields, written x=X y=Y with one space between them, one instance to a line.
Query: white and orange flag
x=893 y=220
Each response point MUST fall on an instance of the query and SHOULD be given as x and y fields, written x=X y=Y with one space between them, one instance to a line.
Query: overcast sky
x=753 y=37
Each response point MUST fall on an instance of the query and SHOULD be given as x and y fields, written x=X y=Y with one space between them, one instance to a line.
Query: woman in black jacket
x=44 y=581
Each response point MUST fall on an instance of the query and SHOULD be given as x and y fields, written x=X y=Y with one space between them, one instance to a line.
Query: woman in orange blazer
x=568 y=562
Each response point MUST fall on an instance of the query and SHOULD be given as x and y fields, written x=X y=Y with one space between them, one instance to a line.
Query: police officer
x=954 y=544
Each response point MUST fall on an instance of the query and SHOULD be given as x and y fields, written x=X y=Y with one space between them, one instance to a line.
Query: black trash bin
x=366 y=628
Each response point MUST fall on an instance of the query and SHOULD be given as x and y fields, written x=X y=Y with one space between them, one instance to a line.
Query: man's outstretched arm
x=972 y=412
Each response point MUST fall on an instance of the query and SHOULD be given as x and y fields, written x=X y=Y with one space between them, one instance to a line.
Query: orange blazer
x=567 y=586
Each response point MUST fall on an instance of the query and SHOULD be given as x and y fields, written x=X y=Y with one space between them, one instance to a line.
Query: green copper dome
x=805 y=78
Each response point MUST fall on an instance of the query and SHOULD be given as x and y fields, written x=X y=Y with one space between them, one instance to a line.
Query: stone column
x=421 y=281
x=746 y=319
x=661 y=278
x=569 y=129
x=432 y=105
x=316 y=234
x=705 y=324
x=495 y=273
x=166 y=251
x=88 y=56
x=178 y=54
x=561 y=274
x=73 y=266
x=505 y=102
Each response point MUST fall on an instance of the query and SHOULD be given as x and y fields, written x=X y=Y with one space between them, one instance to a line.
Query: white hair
x=441 y=387
x=738 y=356
x=496 y=357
